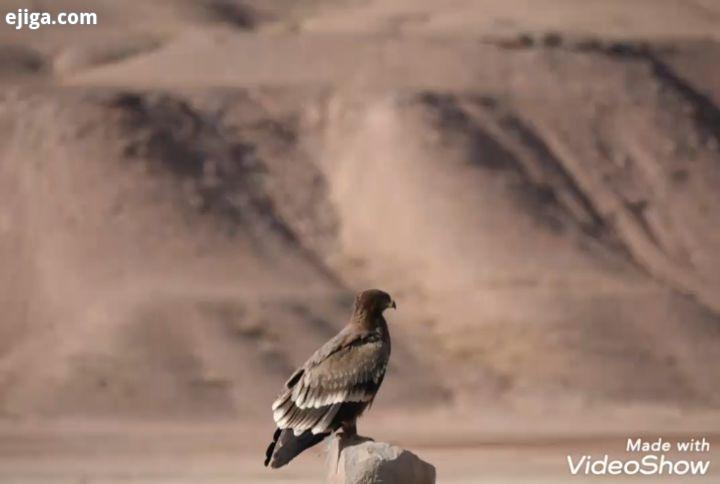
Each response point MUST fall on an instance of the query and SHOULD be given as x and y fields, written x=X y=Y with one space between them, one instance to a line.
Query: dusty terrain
x=193 y=190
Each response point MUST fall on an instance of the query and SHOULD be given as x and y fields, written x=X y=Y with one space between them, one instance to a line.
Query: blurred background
x=192 y=191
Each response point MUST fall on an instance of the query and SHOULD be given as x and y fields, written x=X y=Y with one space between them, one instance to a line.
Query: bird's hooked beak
x=392 y=304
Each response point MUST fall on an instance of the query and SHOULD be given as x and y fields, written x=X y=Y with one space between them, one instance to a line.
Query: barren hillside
x=192 y=196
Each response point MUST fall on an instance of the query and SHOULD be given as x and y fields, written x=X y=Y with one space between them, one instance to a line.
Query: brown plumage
x=339 y=381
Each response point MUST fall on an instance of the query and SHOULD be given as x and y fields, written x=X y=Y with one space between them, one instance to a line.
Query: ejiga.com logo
x=654 y=462
x=649 y=465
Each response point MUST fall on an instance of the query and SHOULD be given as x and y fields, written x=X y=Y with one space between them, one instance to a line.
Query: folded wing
x=347 y=370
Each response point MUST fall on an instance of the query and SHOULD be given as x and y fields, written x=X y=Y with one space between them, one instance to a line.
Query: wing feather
x=281 y=401
x=348 y=368
x=323 y=425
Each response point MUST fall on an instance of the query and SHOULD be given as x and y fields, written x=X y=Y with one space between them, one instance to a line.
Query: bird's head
x=373 y=302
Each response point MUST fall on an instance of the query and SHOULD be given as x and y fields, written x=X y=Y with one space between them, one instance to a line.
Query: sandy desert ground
x=193 y=190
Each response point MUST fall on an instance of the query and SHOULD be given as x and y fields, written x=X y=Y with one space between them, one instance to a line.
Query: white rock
x=359 y=460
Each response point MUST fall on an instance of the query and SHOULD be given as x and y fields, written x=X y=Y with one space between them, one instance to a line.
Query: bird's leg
x=349 y=429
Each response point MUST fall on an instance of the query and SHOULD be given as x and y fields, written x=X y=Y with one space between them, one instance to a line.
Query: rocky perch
x=359 y=460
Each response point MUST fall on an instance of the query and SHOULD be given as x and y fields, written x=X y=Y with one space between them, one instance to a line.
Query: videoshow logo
x=655 y=462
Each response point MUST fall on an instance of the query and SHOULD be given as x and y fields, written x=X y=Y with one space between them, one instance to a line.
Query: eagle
x=336 y=385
